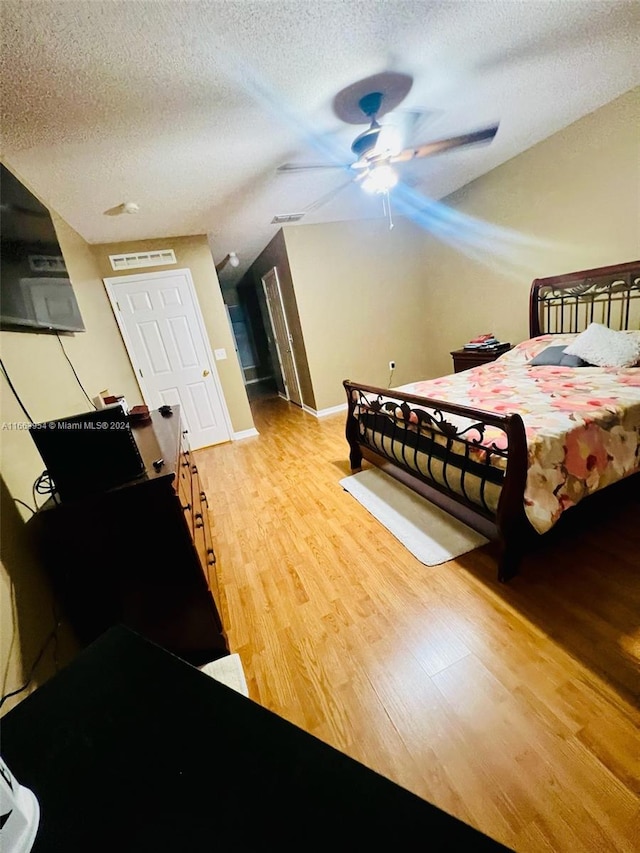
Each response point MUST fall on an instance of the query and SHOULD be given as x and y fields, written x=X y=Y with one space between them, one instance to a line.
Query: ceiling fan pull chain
x=386 y=207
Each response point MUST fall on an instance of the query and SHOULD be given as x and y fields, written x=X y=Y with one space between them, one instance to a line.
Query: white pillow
x=605 y=347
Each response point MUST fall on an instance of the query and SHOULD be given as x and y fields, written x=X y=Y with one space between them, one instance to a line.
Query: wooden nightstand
x=463 y=359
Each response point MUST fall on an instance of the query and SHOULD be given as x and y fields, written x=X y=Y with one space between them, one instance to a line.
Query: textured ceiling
x=188 y=107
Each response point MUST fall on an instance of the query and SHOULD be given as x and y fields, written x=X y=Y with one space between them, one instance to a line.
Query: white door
x=282 y=337
x=159 y=317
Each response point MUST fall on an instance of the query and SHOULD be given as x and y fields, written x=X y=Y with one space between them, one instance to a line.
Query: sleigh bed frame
x=390 y=428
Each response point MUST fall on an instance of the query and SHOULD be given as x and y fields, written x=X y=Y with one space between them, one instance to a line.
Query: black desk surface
x=131 y=749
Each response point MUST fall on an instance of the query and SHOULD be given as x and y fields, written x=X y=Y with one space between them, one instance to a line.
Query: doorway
x=163 y=331
x=282 y=336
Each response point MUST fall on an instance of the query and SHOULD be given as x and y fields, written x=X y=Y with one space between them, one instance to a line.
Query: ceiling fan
x=379 y=148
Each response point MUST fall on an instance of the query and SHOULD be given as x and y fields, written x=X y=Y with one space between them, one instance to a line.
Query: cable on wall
x=43 y=485
x=25 y=504
x=74 y=371
x=15 y=393
x=53 y=635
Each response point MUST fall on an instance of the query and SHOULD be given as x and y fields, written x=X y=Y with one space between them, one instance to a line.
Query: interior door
x=282 y=337
x=159 y=317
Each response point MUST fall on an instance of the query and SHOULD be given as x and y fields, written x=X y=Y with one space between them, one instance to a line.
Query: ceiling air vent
x=283 y=218
x=135 y=260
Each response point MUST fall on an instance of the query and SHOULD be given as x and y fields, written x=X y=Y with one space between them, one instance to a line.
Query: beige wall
x=48 y=389
x=27 y=613
x=577 y=193
x=195 y=254
x=43 y=377
x=361 y=291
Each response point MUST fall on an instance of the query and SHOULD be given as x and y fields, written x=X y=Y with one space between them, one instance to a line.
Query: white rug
x=229 y=671
x=430 y=533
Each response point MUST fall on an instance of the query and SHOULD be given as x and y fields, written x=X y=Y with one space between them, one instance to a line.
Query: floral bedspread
x=582 y=424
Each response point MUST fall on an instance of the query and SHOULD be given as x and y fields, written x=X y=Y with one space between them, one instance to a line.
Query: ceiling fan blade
x=307 y=167
x=441 y=145
x=328 y=196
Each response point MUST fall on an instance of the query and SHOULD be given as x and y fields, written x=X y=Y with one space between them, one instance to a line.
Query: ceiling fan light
x=380 y=179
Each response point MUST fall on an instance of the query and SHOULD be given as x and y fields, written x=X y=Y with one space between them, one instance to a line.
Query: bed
x=511 y=446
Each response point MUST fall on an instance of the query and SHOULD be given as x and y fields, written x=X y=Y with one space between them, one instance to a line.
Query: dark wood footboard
x=441 y=450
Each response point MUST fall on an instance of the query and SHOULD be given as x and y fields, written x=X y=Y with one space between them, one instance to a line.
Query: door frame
x=274 y=271
x=110 y=285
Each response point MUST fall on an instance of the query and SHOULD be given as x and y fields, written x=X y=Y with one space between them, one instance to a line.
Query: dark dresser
x=140 y=554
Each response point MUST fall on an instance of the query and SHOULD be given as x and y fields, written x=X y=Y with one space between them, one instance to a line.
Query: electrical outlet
x=392 y=365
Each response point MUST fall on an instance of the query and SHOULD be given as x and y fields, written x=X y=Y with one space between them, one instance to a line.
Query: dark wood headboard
x=568 y=303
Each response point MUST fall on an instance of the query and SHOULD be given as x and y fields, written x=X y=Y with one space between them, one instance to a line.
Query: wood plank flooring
x=514 y=707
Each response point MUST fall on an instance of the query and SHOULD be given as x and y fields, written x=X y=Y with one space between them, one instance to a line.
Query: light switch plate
x=220 y=354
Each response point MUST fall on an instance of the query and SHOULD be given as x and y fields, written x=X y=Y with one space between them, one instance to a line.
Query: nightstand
x=463 y=359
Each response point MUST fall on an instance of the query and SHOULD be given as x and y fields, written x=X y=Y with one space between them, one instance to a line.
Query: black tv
x=36 y=294
x=89 y=453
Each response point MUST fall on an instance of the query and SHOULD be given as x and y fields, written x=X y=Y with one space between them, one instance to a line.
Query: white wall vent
x=280 y=218
x=135 y=260
x=47 y=263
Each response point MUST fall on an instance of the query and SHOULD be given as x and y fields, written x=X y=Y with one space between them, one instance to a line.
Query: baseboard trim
x=322 y=413
x=245 y=433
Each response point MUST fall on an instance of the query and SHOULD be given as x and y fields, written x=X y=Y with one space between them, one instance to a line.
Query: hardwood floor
x=514 y=707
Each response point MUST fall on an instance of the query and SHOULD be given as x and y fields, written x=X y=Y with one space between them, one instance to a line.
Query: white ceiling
x=188 y=107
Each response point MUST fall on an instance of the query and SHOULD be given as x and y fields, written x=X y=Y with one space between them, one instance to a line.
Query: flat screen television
x=36 y=294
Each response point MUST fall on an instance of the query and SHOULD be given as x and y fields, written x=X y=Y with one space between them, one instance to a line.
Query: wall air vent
x=135 y=260
x=283 y=218
x=47 y=263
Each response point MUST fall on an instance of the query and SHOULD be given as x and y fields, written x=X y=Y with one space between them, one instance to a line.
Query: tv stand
x=140 y=554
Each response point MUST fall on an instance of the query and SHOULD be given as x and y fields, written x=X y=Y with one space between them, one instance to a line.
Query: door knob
x=205 y=372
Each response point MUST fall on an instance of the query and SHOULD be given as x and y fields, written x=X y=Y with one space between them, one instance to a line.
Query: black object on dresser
x=88 y=453
x=141 y=553
x=130 y=750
